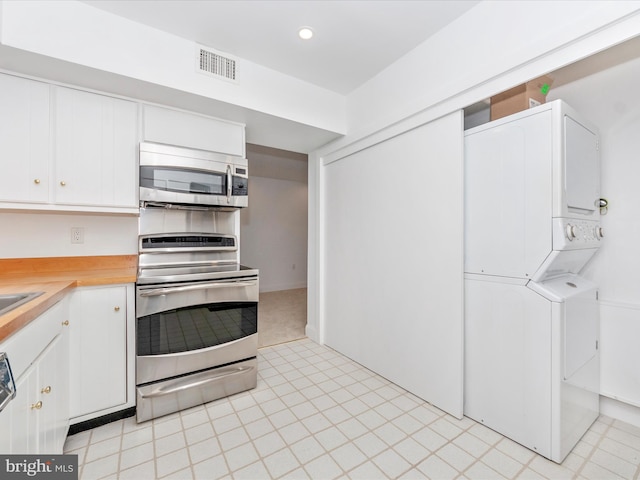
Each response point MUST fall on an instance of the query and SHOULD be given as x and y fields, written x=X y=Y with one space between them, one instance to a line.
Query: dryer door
x=582 y=168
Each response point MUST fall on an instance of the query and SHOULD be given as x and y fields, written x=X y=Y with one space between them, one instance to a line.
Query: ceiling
x=353 y=40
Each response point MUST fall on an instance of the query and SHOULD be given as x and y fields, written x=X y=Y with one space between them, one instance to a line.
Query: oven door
x=186 y=327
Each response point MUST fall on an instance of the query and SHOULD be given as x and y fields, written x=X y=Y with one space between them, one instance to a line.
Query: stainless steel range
x=197 y=310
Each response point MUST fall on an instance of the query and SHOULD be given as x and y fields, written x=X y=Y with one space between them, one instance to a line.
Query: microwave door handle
x=229 y=183
x=204 y=286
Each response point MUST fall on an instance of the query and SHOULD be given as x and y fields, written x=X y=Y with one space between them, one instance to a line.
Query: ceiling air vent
x=213 y=63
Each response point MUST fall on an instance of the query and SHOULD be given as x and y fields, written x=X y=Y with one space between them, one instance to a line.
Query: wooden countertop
x=55 y=277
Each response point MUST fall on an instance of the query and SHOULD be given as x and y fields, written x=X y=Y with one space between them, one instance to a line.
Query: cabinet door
x=46 y=391
x=23 y=412
x=24 y=140
x=98 y=353
x=37 y=419
x=95 y=149
x=5 y=426
x=53 y=391
x=163 y=125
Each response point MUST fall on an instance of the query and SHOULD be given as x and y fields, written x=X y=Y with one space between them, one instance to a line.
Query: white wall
x=611 y=100
x=273 y=233
x=34 y=235
x=486 y=43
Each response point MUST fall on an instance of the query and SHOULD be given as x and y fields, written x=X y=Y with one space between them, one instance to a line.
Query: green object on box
x=544 y=89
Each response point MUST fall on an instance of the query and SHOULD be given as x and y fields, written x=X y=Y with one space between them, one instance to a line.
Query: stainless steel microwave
x=182 y=176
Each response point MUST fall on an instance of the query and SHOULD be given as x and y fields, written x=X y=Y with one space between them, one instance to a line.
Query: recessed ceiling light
x=305 y=33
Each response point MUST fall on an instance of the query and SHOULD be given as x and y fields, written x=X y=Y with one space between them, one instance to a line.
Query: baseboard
x=103 y=420
x=312 y=333
x=619 y=410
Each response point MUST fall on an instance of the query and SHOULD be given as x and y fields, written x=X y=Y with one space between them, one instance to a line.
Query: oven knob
x=571 y=232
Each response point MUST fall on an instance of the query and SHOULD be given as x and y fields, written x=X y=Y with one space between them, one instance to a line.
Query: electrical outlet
x=77 y=235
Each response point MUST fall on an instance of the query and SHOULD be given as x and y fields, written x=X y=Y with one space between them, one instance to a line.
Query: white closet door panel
x=393 y=260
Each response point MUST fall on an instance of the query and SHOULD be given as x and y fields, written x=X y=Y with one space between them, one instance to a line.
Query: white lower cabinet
x=102 y=351
x=37 y=419
x=20 y=417
x=53 y=388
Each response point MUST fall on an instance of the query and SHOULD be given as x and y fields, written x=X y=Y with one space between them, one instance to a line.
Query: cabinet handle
x=46 y=389
x=37 y=181
x=63 y=183
x=117 y=309
x=36 y=406
x=65 y=323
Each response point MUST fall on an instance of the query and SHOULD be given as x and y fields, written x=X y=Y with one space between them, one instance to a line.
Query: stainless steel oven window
x=195 y=327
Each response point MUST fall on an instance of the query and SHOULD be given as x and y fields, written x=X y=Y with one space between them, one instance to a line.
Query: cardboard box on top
x=517 y=99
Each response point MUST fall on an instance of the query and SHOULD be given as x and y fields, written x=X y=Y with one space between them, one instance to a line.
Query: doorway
x=273 y=238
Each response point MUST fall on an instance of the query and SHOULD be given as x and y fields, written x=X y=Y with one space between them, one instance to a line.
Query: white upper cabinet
x=24 y=140
x=65 y=149
x=173 y=127
x=95 y=150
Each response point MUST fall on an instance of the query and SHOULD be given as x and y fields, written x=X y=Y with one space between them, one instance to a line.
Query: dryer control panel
x=573 y=234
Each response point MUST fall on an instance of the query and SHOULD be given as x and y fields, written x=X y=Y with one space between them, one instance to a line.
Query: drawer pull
x=65 y=323
x=117 y=309
x=46 y=389
x=63 y=183
x=36 y=406
x=36 y=181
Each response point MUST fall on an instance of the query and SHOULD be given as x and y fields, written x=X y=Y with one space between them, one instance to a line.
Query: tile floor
x=316 y=414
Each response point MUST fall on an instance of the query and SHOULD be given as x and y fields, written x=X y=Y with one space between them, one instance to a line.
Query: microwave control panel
x=239 y=186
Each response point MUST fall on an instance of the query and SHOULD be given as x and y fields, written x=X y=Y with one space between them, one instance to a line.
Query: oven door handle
x=185 y=383
x=201 y=286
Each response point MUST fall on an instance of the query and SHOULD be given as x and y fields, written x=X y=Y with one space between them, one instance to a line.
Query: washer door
x=580 y=331
x=580 y=319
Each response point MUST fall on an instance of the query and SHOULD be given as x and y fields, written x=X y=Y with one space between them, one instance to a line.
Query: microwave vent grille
x=215 y=64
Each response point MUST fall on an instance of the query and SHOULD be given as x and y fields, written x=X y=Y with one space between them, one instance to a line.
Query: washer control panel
x=574 y=234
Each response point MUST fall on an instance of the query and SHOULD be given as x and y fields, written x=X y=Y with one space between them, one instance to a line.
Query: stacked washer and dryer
x=532 y=211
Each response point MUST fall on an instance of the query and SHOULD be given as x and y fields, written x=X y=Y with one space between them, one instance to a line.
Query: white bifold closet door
x=393 y=260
